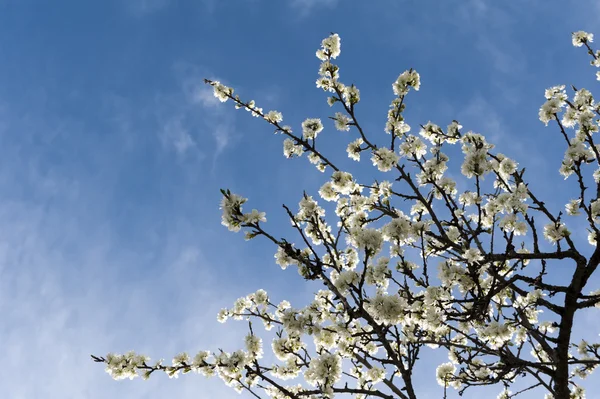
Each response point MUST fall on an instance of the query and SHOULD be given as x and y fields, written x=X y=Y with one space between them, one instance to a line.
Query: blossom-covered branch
x=465 y=272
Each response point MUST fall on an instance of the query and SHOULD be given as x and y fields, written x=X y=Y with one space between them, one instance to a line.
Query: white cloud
x=203 y=95
x=306 y=6
x=487 y=119
x=492 y=23
x=72 y=283
x=470 y=9
x=63 y=298
x=140 y=8
x=481 y=116
x=176 y=136
x=216 y=116
x=503 y=59
x=143 y=7
x=221 y=133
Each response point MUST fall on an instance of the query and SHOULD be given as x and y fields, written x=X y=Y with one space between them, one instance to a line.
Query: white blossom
x=221 y=91
x=555 y=232
x=405 y=81
x=342 y=122
x=367 y=239
x=283 y=259
x=351 y=96
x=555 y=101
x=413 y=146
x=330 y=47
x=232 y=216
x=124 y=366
x=274 y=117
x=324 y=370
x=581 y=37
x=354 y=149
x=572 y=207
x=328 y=193
x=444 y=373
x=254 y=346
x=291 y=149
x=384 y=159
x=473 y=255
x=595 y=208
x=311 y=128
x=386 y=309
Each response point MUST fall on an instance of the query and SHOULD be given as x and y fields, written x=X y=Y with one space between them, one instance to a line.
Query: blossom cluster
x=381 y=301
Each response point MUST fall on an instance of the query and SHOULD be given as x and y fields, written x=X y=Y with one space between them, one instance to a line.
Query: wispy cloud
x=187 y=119
x=217 y=122
x=505 y=59
x=69 y=287
x=306 y=6
x=53 y=320
x=202 y=94
x=482 y=117
x=176 y=136
x=221 y=133
x=494 y=24
x=473 y=8
x=144 y=7
x=480 y=112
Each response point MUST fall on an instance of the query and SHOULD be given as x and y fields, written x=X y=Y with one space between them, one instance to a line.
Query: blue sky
x=112 y=153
